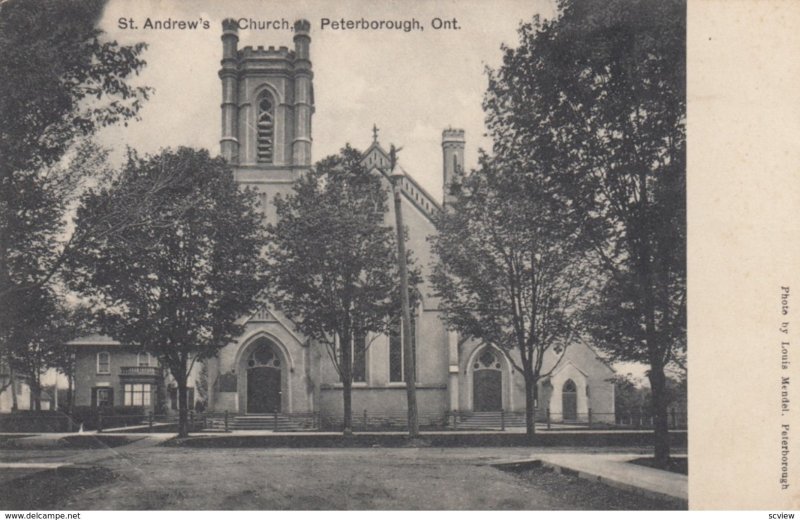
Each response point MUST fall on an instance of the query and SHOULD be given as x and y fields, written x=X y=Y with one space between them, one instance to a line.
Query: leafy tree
x=599 y=93
x=44 y=344
x=59 y=83
x=509 y=271
x=77 y=321
x=333 y=261
x=175 y=285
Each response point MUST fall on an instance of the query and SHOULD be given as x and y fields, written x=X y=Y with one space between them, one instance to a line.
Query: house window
x=102 y=396
x=103 y=363
x=137 y=394
x=265 y=129
x=360 y=358
x=396 y=369
x=143 y=359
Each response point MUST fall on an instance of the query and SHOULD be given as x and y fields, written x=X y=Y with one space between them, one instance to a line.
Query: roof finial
x=374 y=133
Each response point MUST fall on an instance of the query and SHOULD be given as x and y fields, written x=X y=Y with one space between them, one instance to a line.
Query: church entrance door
x=487 y=383
x=263 y=390
x=488 y=394
x=263 y=380
x=569 y=401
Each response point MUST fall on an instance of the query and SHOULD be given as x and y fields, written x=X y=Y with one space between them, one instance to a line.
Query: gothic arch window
x=396 y=365
x=265 y=128
x=487 y=361
x=263 y=356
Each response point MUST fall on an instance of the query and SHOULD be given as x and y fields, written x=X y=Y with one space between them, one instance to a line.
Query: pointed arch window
x=265 y=129
x=396 y=365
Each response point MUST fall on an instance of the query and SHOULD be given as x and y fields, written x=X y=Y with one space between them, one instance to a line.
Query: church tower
x=267 y=105
x=453 y=157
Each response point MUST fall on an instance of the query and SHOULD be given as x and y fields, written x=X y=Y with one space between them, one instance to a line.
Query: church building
x=267 y=111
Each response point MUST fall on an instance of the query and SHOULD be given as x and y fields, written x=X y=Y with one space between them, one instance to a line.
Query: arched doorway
x=487 y=383
x=569 y=400
x=263 y=379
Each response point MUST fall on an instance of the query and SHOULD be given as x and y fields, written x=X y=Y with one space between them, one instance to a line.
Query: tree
x=509 y=269
x=77 y=321
x=59 y=83
x=599 y=93
x=44 y=344
x=333 y=261
x=175 y=285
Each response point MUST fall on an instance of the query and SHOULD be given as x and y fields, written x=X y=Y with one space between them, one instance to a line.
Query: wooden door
x=263 y=390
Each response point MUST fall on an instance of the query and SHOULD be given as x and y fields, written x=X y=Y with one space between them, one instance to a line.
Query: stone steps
x=490 y=421
x=271 y=422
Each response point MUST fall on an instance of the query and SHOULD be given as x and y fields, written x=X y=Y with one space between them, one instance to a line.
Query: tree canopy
x=599 y=94
x=177 y=283
x=59 y=83
x=333 y=260
x=510 y=272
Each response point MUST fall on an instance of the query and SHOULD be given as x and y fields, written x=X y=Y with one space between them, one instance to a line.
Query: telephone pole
x=409 y=361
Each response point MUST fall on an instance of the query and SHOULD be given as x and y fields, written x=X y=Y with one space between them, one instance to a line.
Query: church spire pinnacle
x=375 y=133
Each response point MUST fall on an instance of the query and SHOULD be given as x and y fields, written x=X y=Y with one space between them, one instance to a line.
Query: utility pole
x=409 y=362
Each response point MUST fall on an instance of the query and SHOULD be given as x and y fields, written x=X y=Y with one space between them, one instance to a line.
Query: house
x=17 y=389
x=108 y=373
x=267 y=110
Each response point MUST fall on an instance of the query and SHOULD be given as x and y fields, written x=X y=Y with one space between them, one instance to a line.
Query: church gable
x=377 y=158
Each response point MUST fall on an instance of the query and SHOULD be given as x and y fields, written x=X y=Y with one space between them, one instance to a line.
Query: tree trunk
x=36 y=392
x=161 y=392
x=530 y=407
x=183 y=412
x=346 y=347
x=14 y=402
x=70 y=395
x=181 y=377
x=660 y=418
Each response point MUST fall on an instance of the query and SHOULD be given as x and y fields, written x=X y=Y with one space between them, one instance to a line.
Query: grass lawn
x=155 y=477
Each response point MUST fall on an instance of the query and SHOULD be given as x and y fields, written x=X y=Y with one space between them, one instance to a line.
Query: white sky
x=412 y=85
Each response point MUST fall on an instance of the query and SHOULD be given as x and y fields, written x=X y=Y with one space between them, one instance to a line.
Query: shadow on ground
x=48 y=489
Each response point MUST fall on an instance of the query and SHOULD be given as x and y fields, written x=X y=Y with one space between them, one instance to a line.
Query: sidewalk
x=614 y=470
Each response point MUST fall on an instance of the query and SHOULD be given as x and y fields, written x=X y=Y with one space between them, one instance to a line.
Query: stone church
x=267 y=111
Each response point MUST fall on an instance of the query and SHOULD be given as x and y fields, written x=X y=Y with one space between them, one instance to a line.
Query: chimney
x=453 y=159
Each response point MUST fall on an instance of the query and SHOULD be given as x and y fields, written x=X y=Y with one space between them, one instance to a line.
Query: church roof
x=377 y=157
x=93 y=340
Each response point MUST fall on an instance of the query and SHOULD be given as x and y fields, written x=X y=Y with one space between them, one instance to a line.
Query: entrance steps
x=273 y=422
x=490 y=420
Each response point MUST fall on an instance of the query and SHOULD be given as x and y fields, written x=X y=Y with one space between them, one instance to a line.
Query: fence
x=363 y=421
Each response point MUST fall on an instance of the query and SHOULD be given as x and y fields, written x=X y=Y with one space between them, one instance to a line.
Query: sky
x=412 y=85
